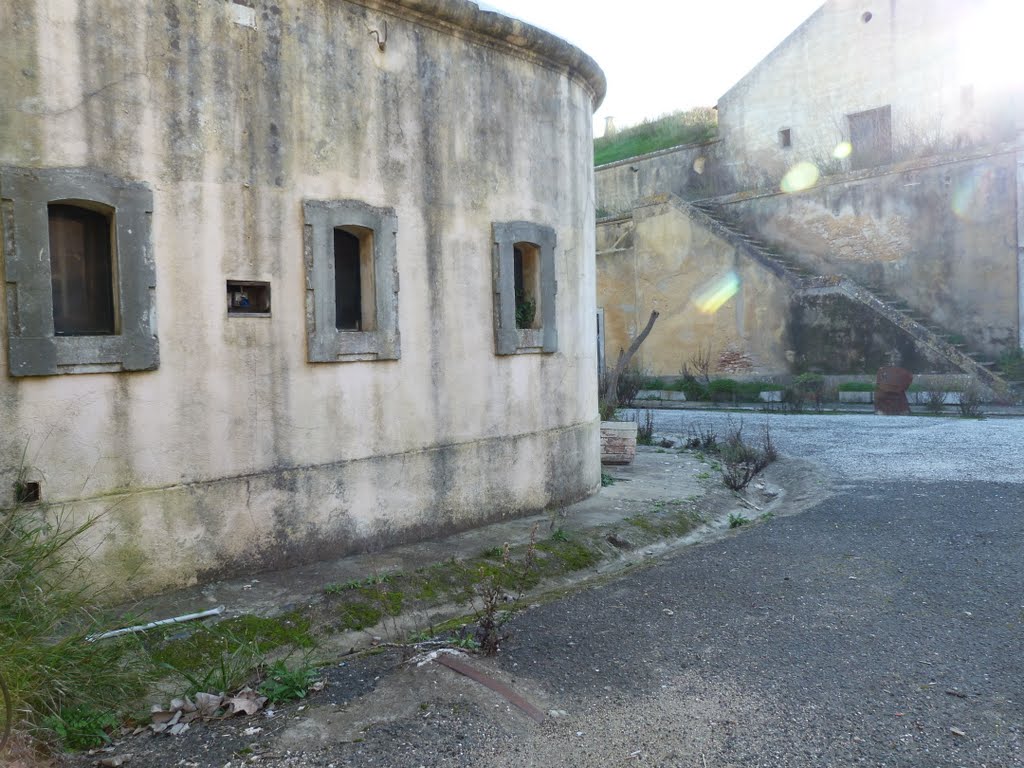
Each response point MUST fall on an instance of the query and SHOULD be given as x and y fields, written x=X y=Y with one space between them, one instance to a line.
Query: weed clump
x=283 y=683
x=510 y=579
x=702 y=438
x=627 y=386
x=737 y=520
x=566 y=554
x=57 y=679
x=741 y=461
x=645 y=428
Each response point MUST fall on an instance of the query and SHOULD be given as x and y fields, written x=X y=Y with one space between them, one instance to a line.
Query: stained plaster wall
x=941 y=235
x=660 y=259
x=833 y=334
x=236 y=454
x=935 y=62
x=688 y=172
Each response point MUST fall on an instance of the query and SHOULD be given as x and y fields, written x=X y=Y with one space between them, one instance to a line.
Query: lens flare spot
x=710 y=298
x=976 y=195
x=801 y=176
x=843 y=150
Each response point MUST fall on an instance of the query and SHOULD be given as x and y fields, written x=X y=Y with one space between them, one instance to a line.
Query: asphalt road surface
x=881 y=627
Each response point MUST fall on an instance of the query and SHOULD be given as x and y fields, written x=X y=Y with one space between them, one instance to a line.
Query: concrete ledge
x=923 y=397
x=856 y=397
x=661 y=394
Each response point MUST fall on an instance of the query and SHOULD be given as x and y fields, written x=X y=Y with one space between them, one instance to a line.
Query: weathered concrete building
x=894 y=80
x=285 y=279
x=872 y=161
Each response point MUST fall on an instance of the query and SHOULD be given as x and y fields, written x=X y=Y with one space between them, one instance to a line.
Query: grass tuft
x=58 y=680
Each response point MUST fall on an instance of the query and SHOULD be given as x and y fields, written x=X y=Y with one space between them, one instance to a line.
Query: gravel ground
x=869 y=447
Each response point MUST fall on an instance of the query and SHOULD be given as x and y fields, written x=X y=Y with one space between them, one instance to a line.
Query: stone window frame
x=508 y=339
x=33 y=347
x=324 y=342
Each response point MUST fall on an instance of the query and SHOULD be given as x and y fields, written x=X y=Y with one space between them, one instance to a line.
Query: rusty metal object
x=495 y=685
x=891 y=385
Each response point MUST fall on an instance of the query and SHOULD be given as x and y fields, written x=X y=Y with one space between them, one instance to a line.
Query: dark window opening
x=248 y=297
x=871 y=138
x=526 y=269
x=347 y=284
x=81 y=271
x=785 y=138
x=354 y=294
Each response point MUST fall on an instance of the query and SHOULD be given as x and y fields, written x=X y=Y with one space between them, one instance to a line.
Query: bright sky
x=663 y=55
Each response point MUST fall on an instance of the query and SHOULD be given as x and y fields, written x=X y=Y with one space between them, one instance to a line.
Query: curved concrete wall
x=236 y=452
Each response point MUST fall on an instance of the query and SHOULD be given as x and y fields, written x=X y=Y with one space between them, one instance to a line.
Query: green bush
x=750 y=391
x=721 y=390
x=810 y=383
x=693 y=389
x=856 y=386
x=1011 y=363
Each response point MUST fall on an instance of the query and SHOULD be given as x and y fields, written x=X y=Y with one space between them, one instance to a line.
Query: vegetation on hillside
x=682 y=127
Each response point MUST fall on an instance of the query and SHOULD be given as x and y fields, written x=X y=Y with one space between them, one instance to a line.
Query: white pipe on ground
x=162 y=622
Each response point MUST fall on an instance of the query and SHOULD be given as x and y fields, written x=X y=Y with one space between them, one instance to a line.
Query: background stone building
x=872 y=163
x=262 y=263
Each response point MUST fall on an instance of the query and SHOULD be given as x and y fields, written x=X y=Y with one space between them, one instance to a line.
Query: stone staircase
x=804 y=282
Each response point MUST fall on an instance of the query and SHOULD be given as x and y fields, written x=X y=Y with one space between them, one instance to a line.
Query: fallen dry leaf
x=207 y=704
x=246 y=701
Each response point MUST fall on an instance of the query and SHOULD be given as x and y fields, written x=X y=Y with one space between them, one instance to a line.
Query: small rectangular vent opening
x=248 y=297
x=27 y=493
